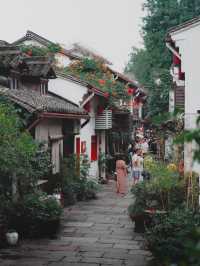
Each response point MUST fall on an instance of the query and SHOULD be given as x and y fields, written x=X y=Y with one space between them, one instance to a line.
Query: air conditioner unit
x=104 y=120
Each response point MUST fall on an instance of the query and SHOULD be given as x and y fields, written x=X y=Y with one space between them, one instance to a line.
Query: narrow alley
x=98 y=232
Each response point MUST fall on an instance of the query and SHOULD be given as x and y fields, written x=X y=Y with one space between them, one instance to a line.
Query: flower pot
x=139 y=221
x=49 y=228
x=12 y=238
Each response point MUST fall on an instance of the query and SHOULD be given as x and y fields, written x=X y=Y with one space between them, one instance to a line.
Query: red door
x=93 y=148
x=78 y=146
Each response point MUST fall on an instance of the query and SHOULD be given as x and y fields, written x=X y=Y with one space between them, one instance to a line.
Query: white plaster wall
x=75 y=92
x=67 y=89
x=188 y=42
x=85 y=135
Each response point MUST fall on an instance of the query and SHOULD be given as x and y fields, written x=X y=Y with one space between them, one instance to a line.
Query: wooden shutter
x=94 y=148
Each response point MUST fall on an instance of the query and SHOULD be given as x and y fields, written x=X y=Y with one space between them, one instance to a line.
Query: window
x=93 y=148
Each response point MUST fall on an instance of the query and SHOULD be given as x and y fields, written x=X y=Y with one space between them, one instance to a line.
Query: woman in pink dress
x=121 y=170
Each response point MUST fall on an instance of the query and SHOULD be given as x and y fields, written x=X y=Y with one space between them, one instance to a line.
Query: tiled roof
x=30 y=35
x=7 y=53
x=184 y=25
x=35 y=66
x=33 y=101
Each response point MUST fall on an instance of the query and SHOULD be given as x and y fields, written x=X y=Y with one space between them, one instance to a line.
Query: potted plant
x=137 y=215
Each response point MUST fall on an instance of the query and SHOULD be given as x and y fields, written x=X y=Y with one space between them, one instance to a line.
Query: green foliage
x=163 y=192
x=74 y=181
x=33 y=50
x=37 y=215
x=20 y=155
x=84 y=166
x=86 y=189
x=89 y=65
x=170 y=236
x=97 y=74
x=191 y=136
x=153 y=61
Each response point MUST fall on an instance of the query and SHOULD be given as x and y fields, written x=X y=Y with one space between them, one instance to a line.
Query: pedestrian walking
x=121 y=170
x=137 y=166
x=144 y=146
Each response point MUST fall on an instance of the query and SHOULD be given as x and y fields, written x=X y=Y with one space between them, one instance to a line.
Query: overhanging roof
x=30 y=35
x=35 y=102
x=185 y=25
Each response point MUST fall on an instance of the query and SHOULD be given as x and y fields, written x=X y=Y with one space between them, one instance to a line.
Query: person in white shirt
x=137 y=166
x=144 y=147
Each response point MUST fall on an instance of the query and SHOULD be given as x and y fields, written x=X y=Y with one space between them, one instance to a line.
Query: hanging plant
x=98 y=75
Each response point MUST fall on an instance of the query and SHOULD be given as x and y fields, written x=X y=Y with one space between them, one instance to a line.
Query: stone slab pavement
x=96 y=232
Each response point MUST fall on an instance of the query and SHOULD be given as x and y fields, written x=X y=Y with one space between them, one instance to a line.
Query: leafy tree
x=22 y=160
x=151 y=64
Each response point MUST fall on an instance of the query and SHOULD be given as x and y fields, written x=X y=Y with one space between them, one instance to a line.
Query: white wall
x=188 y=42
x=85 y=135
x=75 y=93
x=67 y=89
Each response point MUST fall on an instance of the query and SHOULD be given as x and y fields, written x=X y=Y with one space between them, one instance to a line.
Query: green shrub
x=169 y=234
x=92 y=187
x=37 y=215
x=86 y=189
x=164 y=191
x=69 y=194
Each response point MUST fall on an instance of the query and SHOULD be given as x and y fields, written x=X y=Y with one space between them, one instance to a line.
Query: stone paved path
x=94 y=233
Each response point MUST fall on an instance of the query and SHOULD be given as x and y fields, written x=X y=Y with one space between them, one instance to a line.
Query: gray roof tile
x=33 y=101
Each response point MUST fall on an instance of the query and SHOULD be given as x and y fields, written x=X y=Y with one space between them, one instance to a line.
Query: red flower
x=102 y=81
x=130 y=91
